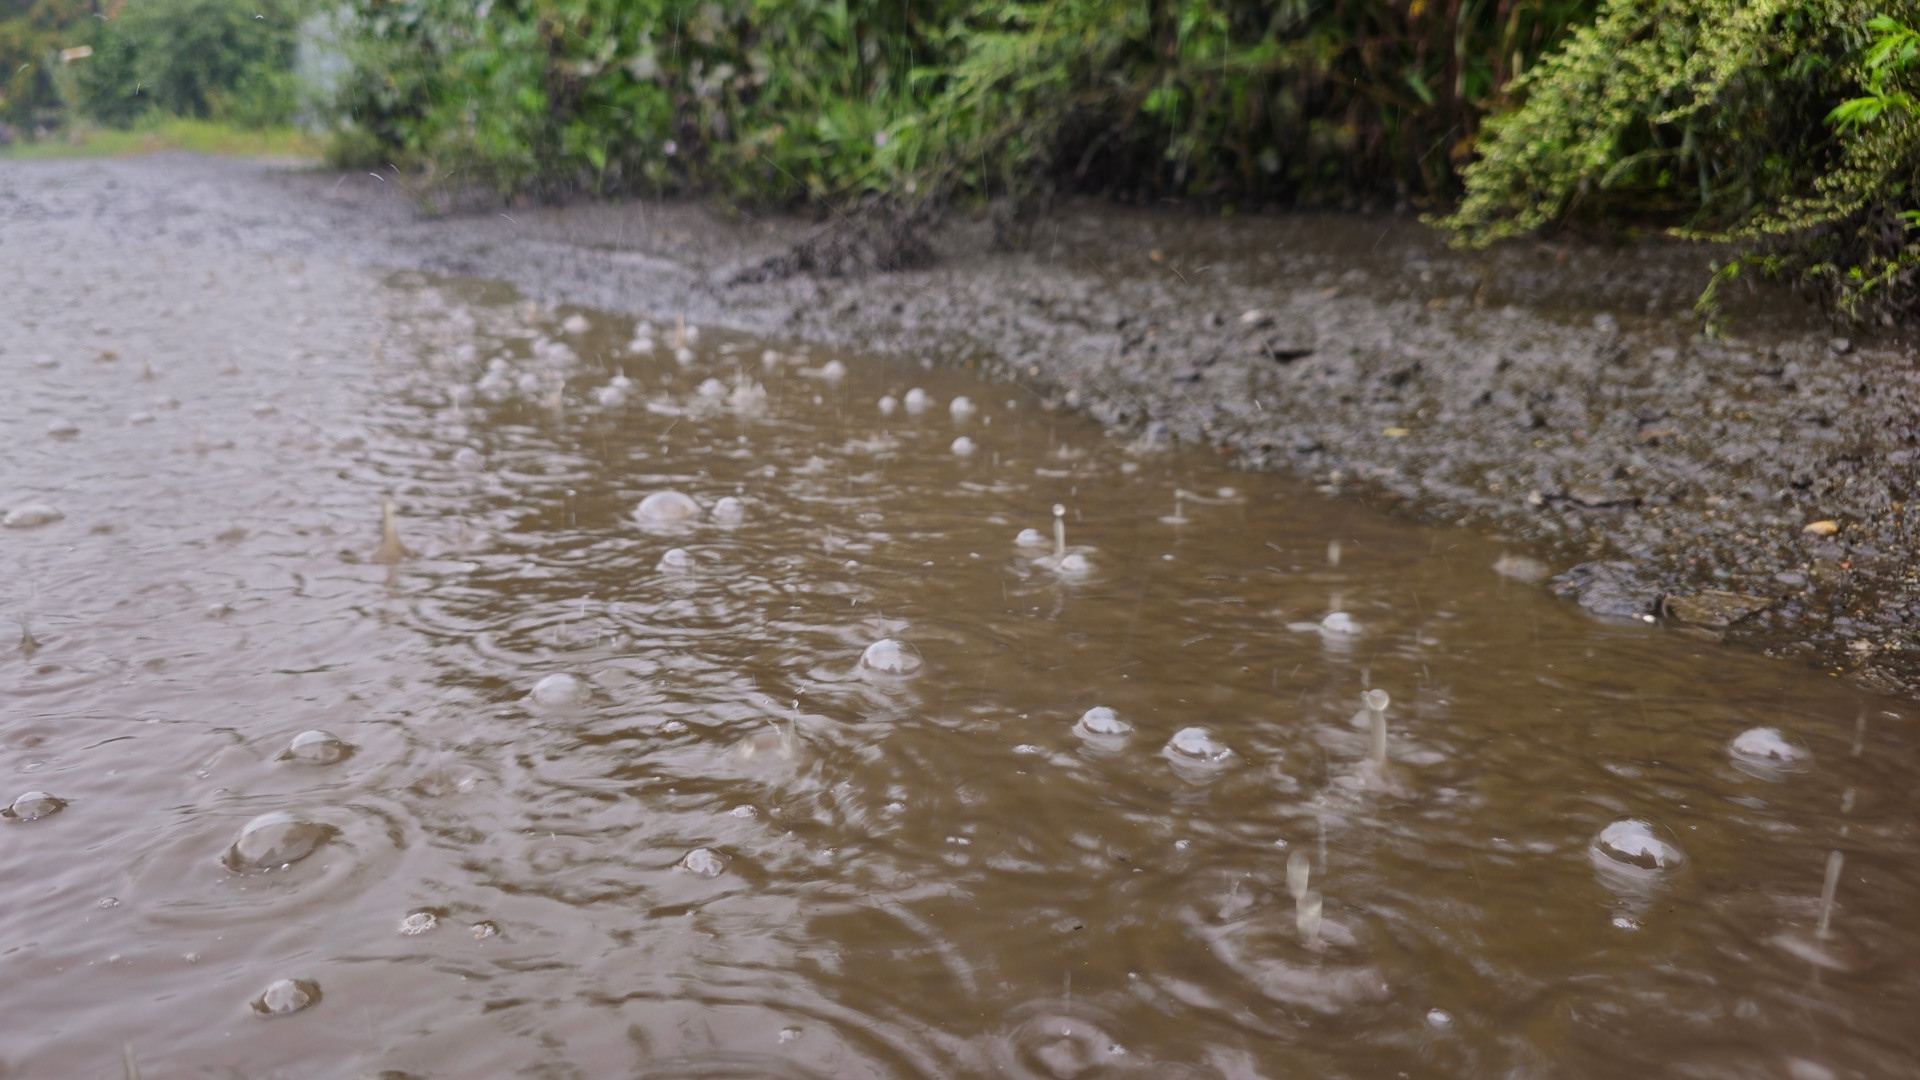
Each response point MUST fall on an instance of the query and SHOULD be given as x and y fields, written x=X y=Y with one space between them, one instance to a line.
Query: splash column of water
x=1059 y=532
x=1834 y=862
x=1376 y=702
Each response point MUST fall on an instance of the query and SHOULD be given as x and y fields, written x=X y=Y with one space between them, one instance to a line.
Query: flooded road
x=825 y=766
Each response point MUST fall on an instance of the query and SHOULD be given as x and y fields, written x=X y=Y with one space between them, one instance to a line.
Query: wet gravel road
x=1754 y=487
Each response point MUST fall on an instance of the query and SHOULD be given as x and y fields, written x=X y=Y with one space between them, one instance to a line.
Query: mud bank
x=1560 y=396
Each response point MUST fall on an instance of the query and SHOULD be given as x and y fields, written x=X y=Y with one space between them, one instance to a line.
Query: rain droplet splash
x=703 y=862
x=286 y=997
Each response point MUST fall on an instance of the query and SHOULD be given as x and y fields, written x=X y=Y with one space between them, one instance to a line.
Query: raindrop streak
x=1827 y=889
x=1299 y=871
x=1307 y=919
x=391 y=551
x=1376 y=703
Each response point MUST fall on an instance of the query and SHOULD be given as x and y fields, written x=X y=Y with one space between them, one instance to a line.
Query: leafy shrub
x=32 y=33
x=1783 y=126
x=839 y=99
x=222 y=59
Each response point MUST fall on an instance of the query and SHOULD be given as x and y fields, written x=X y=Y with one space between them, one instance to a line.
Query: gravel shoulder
x=1557 y=394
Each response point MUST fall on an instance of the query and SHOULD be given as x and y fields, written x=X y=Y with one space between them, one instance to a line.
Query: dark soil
x=1559 y=394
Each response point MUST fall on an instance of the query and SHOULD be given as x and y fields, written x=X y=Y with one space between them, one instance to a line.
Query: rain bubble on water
x=576 y=324
x=918 y=401
x=63 y=428
x=889 y=656
x=1765 y=753
x=675 y=561
x=1632 y=856
x=833 y=371
x=729 y=511
x=1101 y=722
x=963 y=447
x=1030 y=538
x=559 y=689
x=316 y=748
x=713 y=388
x=30 y=515
x=666 y=507
x=467 y=459
x=286 y=997
x=611 y=397
x=1197 y=744
x=1439 y=1018
x=34 y=805
x=1340 y=624
x=888 y=405
x=274 y=840
x=704 y=862
x=961 y=408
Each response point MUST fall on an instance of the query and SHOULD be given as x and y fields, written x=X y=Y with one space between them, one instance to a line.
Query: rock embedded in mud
x=1616 y=589
x=1713 y=608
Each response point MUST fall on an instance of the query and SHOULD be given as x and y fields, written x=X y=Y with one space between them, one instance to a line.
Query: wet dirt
x=373 y=712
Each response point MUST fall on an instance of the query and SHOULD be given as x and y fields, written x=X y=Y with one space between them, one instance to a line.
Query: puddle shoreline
x=1559 y=395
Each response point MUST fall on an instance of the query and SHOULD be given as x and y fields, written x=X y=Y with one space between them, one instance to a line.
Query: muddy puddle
x=855 y=757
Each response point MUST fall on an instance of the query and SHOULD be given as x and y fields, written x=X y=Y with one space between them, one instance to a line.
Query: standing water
x=684 y=713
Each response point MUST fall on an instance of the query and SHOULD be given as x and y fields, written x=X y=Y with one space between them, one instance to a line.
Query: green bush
x=838 y=99
x=1782 y=126
x=31 y=37
x=228 y=60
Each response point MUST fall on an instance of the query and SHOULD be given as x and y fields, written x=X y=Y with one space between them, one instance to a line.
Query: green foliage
x=224 y=59
x=1783 y=126
x=838 y=99
x=31 y=37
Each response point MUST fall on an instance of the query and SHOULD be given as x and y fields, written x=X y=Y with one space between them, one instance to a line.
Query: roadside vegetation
x=1785 y=128
x=78 y=76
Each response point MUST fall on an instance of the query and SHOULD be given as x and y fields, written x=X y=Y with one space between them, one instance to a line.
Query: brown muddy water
x=810 y=782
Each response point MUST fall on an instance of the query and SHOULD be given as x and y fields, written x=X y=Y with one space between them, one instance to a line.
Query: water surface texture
x=800 y=774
